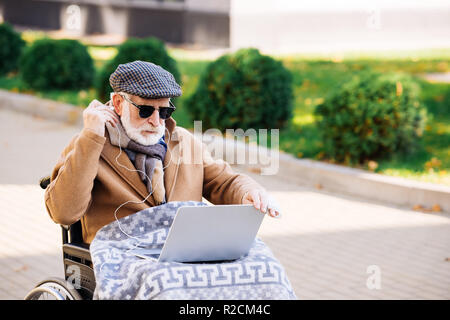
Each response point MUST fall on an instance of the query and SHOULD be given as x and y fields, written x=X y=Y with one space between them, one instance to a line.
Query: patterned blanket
x=120 y=274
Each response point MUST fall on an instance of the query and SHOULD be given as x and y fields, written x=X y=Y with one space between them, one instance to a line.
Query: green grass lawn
x=313 y=78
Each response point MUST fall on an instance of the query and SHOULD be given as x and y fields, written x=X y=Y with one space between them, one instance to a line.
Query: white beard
x=136 y=135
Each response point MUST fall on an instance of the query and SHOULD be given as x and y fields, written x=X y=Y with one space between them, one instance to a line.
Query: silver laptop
x=208 y=234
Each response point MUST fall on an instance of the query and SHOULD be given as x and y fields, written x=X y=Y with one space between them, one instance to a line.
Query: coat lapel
x=125 y=168
x=172 y=159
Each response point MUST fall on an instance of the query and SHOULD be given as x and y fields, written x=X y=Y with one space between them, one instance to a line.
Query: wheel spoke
x=52 y=290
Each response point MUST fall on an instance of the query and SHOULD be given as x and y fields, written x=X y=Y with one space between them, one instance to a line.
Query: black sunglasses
x=146 y=111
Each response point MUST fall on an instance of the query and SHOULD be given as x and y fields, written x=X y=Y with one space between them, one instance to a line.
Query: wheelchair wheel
x=53 y=289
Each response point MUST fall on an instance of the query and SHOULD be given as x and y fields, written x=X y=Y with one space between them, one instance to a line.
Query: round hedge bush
x=371 y=117
x=149 y=49
x=243 y=90
x=57 y=64
x=11 y=46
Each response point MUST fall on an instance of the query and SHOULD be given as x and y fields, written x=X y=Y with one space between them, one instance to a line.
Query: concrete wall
x=330 y=26
x=207 y=28
x=44 y=14
x=218 y=6
x=164 y=24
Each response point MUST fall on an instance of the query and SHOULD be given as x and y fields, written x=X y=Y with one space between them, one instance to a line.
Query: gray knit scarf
x=143 y=157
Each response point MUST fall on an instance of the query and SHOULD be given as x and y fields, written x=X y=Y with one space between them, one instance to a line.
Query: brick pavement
x=325 y=241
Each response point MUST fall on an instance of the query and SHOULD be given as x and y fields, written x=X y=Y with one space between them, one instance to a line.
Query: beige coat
x=88 y=183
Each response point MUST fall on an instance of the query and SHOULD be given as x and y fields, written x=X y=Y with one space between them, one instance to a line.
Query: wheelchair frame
x=79 y=282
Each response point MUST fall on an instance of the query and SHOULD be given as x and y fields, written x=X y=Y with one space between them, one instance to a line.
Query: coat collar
x=126 y=170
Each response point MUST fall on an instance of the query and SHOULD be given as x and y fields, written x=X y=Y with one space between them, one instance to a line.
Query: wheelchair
x=79 y=279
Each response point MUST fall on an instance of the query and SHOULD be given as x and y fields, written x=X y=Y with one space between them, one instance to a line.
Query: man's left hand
x=263 y=202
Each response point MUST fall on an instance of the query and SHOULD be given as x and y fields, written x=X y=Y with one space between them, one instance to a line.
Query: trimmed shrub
x=371 y=117
x=149 y=49
x=243 y=90
x=11 y=46
x=57 y=64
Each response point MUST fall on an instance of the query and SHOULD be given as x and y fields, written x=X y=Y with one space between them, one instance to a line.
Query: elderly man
x=131 y=155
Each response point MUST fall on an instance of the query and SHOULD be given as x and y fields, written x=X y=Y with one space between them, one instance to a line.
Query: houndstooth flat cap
x=144 y=79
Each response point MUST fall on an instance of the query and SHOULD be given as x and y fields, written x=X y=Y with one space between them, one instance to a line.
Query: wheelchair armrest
x=80 y=251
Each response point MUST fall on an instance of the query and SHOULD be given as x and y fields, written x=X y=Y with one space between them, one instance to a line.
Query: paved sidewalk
x=325 y=241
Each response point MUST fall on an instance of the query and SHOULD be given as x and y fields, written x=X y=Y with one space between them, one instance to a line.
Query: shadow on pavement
x=334 y=265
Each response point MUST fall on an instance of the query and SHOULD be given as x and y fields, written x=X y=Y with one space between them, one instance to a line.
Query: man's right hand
x=96 y=115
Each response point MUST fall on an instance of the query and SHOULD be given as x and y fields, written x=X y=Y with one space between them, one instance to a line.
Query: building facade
x=270 y=25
